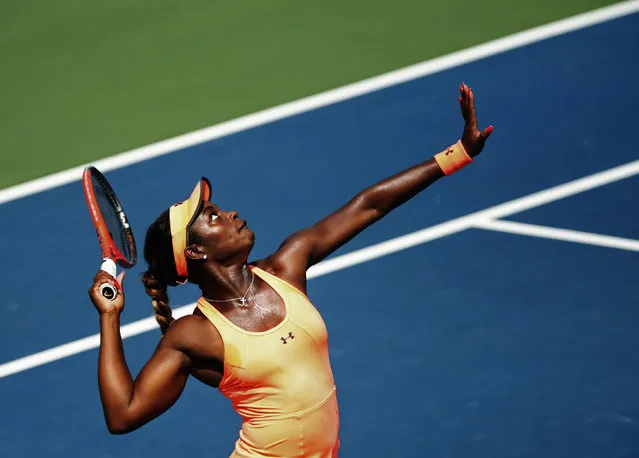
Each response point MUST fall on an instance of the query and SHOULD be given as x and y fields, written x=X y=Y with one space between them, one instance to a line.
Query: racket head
x=111 y=223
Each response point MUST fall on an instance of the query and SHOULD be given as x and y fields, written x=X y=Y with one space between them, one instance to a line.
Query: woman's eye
x=213 y=217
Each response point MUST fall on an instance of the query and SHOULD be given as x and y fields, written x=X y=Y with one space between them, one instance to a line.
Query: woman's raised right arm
x=129 y=404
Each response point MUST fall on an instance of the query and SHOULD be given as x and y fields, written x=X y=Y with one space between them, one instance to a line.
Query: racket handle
x=106 y=289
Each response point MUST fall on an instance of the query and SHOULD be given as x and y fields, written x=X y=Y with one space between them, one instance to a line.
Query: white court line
x=366 y=86
x=555 y=233
x=357 y=257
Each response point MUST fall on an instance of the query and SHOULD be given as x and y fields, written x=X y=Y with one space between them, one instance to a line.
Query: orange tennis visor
x=181 y=216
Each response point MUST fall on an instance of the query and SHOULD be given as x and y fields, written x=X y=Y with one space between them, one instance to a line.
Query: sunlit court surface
x=493 y=315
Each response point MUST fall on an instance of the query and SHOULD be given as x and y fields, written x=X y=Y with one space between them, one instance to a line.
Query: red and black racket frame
x=109 y=249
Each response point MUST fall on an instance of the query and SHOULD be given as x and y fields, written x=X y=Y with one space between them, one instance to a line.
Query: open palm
x=473 y=139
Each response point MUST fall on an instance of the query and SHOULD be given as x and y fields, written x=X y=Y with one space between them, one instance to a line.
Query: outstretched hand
x=472 y=139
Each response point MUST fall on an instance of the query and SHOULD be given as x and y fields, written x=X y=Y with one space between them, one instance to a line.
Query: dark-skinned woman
x=254 y=335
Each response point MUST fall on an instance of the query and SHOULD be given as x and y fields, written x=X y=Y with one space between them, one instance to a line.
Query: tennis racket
x=112 y=226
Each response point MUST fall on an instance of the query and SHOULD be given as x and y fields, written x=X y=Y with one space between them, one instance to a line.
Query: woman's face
x=221 y=235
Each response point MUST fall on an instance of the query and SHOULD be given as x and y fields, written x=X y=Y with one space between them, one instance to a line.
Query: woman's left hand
x=472 y=139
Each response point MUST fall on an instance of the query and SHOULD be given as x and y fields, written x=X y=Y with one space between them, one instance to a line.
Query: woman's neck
x=226 y=282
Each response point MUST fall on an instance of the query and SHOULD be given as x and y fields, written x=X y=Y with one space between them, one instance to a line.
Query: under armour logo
x=449 y=151
x=290 y=336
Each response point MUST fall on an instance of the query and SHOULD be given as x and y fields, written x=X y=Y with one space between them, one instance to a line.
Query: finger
x=487 y=132
x=96 y=286
x=120 y=278
x=101 y=276
x=471 y=99
x=470 y=106
x=102 y=272
x=463 y=101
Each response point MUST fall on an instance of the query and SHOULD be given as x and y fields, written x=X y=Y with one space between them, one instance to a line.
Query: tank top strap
x=235 y=343
x=214 y=316
x=282 y=287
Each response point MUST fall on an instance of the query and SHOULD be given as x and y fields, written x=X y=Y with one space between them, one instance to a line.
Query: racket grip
x=106 y=289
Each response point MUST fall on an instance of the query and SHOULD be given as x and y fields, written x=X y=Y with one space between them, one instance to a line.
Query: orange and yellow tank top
x=279 y=372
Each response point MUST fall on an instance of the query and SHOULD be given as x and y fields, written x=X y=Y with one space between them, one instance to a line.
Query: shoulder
x=291 y=257
x=195 y=336
x=269 y=264
x=280 y=268
x=185 y=325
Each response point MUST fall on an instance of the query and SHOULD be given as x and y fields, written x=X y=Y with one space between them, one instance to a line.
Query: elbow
x=119 y=427
x=118 y=430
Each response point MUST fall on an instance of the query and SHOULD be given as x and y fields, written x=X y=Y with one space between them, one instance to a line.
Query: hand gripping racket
x=112 y=226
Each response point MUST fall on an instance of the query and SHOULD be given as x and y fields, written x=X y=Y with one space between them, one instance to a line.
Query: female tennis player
x=254 y=334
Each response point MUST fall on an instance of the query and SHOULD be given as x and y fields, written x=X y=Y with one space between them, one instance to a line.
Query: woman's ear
x=195 y=252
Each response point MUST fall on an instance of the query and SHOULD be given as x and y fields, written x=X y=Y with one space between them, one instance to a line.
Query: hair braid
x=159 y=298
x=161 y=273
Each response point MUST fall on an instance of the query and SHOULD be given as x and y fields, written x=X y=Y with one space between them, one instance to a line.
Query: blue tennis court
x=482 y=342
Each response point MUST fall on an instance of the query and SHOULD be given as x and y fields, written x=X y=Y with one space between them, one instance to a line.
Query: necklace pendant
x=242 y=301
